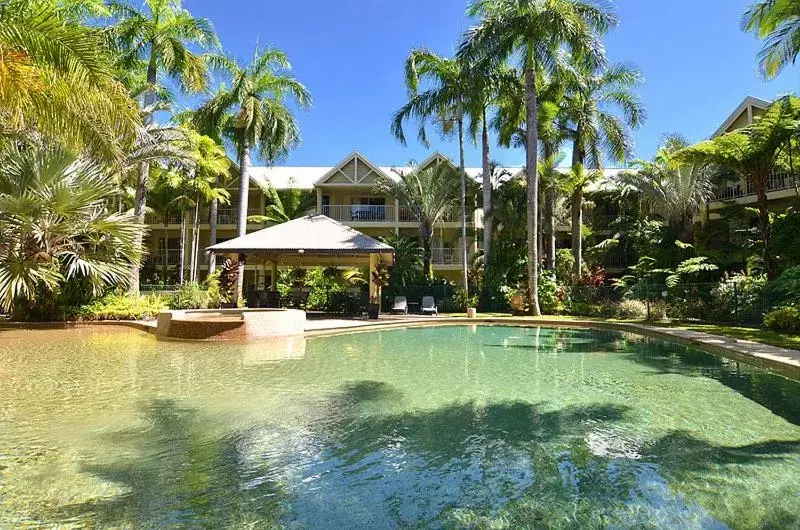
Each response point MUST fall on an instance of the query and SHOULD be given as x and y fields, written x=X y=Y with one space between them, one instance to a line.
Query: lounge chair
x=400 y=305
x=429 y=306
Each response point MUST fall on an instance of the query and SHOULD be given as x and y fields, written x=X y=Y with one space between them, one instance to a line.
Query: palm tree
x=210 y=164
x=56 y=226
x=407 y=267
x=294 y=204
x=752 y=153
x=777 y=22
x=598 y=133
x=160 y=35
x=57 y=79
x=553 y=132
x=676 y=190
x=254 y=112
x=536 y=31
x=429 y=195
x=447 y=101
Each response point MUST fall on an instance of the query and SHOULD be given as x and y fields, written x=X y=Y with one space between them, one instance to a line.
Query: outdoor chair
x=429 y=306
x=400 y=305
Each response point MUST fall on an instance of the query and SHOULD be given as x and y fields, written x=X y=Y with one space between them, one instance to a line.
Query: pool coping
x=764 y=355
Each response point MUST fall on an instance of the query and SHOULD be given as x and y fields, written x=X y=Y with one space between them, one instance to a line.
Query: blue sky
x=697 y=63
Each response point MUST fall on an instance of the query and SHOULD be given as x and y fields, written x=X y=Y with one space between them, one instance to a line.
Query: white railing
x=360 y=213
x=775 y=182
x=170 y=255
x=446 y=256
x=453 y=216
x=156 y=218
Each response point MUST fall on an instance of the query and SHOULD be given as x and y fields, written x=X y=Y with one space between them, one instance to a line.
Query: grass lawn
x=764 y=336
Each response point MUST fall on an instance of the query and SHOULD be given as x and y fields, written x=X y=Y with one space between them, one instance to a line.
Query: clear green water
x=436 y=427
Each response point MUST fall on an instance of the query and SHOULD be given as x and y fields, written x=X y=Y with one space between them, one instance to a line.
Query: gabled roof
x=354 y=156
x=312 y=234
x=749 y=101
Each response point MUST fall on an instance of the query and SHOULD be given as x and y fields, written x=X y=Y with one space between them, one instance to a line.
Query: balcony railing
x=446 y=256
x=155 y=218
x=775 y=182
x=360 y=213
x=408 y=216
x=158 y=257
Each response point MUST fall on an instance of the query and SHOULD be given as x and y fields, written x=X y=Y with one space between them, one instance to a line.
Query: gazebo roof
x=312 y=234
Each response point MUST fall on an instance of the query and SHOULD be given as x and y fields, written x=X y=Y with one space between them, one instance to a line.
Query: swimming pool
x=436 y=427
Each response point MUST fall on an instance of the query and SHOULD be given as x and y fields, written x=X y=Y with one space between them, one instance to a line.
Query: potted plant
x=472 y=306
x=380 y=279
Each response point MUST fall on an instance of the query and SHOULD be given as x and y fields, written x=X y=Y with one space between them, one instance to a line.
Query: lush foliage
x=56 y=226
x=783 y=319
x=190 y=295
x=122 y=307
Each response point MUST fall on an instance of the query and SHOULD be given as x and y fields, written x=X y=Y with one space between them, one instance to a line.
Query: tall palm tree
x=56 y=226
x=429 y=194
x=447 y=101
x=160 y=35
x=675 y=190
x=777 y=22
x=254 y=112
x=491 y=84
x=752 y=153
x=57 y=79
x=602 y=109
x=536 y=31
x=553 y=132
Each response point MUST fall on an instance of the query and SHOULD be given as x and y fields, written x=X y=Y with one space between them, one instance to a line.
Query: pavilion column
x=273 y=276
x=373 y=289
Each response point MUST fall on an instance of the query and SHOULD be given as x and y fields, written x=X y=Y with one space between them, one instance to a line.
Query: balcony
x=161 y=257
x=446 y=256
x=359 y=213
x=776 y=181
x=408 y=216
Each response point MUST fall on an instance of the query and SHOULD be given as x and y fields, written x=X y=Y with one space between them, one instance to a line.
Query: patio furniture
x=413 y=307
x=429 y=306
x=400 y=305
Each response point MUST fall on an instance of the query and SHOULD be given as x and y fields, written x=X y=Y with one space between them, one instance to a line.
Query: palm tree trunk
x=166 y=249
x=577 y=208
x=212 y=235
x=463 y=191
x=195 y=240
x=577 y=228
x=140 y=205
x=487 y=195
x=760 y=184
x=182 y=249
x=425 y=235
x=241 y=226
x=550 y=228
x=532 y=175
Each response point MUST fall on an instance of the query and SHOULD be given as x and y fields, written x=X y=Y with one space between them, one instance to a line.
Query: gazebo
x=310 y=241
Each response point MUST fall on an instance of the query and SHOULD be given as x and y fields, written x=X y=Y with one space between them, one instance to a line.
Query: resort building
x=781 y=186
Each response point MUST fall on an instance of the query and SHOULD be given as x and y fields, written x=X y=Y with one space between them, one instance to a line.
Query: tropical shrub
x=631 y=309
x=737 y=294
x=565 y=261
x=56 y=227
x=787 y=285
x=783 y=319
x=551 y=296
x=190 y=296
x=324 y=285
x=462 y=301
x=516 y=298
x=122 y=307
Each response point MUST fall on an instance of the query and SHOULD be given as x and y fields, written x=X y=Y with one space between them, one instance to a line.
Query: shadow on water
x=775 y=392
x=180 y=471
x=463 y=464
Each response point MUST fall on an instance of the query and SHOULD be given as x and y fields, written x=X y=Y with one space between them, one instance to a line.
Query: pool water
x=433 y=427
